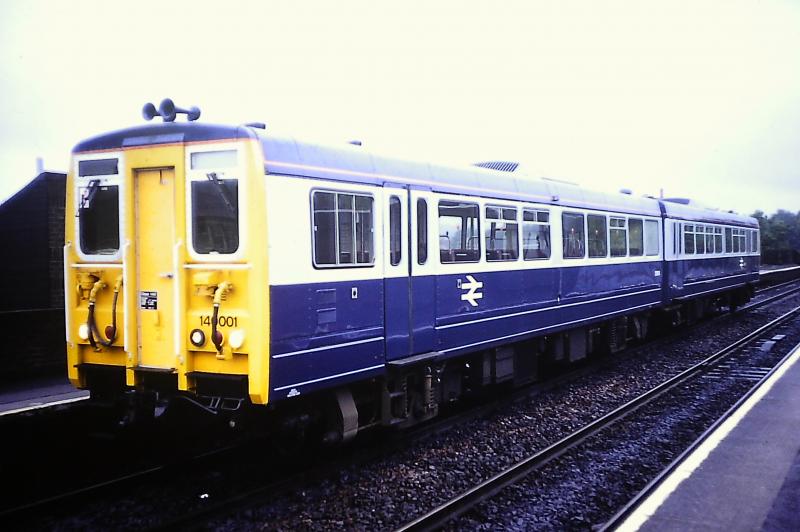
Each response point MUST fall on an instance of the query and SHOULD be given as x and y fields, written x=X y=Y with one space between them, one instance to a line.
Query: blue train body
x=424 y=316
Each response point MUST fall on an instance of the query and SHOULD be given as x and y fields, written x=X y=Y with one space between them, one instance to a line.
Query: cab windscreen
x=215 y=215
x=98 y=215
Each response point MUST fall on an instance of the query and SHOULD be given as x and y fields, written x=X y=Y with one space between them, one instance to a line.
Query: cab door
x=154 y=206
x=409 y=286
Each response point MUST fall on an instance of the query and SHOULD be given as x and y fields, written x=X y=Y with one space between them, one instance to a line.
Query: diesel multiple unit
x=230 y=265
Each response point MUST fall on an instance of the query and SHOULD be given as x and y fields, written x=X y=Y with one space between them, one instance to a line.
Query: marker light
x=197 y=337
x=220 y=338
x=83 y=332
x=237 y=338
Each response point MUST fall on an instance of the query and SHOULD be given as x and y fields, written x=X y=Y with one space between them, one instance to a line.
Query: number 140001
x=222 y=321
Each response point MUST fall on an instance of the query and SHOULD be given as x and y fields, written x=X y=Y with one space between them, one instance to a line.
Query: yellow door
x=155 y=237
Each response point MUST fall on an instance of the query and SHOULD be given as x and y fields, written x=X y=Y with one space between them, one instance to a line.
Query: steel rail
x=85 y=493
x=770 y=299
x=618 y=518
x=441 y=515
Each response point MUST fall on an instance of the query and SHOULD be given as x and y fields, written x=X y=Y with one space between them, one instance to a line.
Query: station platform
x=745 y=475
x=38 y=393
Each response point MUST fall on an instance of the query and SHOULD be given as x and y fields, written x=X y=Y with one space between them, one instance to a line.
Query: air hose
x=111 y=332
x=219 y=294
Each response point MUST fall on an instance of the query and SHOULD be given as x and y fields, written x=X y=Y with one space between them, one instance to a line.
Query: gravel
x=384 y=493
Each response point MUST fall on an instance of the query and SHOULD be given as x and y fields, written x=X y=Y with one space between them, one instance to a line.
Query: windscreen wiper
x=223 y=192
x=88 y=195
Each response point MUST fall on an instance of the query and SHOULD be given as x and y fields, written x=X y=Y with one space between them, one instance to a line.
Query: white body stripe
x=509 y=336
x=327 y=347
x=312 y=381
x=546 y=309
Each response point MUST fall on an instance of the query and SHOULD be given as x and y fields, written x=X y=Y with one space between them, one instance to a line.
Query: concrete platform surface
x=744 y=476
x=39 y=393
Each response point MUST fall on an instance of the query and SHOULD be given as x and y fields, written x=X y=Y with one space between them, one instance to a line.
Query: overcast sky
x=701 y=99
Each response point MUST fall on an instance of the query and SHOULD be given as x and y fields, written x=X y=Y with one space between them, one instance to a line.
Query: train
x=239 y=269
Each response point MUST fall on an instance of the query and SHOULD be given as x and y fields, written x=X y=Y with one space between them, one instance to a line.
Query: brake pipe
x=219 y=294
x=91 y=322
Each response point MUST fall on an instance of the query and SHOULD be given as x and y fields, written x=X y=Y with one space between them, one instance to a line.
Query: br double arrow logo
x=471 y=286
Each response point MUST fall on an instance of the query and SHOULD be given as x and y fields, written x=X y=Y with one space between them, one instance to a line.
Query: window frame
x=640 y=219
x=422 y=232
x=623 y=228
x=604 y=235
x=658 y=232
x=688 y=232
x=238 y=172
x=117 y=180
x=536 y=223
x=336 y=193
x=395 y=226
x=460 y=202
x=699 y=238
x=564 y=235
x=501 y=218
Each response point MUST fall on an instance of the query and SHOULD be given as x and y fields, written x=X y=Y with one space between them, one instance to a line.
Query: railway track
x=260 y=494
x=756 y=375
x=312 y=471
x=457 y=506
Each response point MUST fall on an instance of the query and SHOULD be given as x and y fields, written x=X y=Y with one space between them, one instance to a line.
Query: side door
x=409 y=285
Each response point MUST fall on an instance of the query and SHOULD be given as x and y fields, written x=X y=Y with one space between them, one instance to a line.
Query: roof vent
x=682 y=201
x=502 y=166
x=257 y=125
x=354 y=142
x=626 y=191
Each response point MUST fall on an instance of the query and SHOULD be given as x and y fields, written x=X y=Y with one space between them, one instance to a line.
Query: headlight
x=83 y=332
x=236 y=339
x=197 y=337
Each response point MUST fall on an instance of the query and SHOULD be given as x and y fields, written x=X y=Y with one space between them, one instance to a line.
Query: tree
x=780 y=237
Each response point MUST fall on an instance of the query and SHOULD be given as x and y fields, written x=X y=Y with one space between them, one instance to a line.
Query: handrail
x=69 y=294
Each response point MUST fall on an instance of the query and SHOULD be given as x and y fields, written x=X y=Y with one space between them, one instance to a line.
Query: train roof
x=684 y=209
x=348 y=163
x=162 y=133
x=289 y=156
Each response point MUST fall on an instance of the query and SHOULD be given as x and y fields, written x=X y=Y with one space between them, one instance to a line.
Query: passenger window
x=535 y=234
x=343 y=229
x=635 y=237
x=700 y=239
x=688 y=239
x=740 y=246
x=651 y=238
x=728 y=240
x=345 y=213
x=459 y=232
x=422 y=231
x=709 y=239
x=98 y=218
x=749 y=245
x=598 y=240
x=395 y=245
x=502 y=239
x=718 y=240
x=365 y=254
x=573 y=235
x=754 y=247
x=619 y=237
